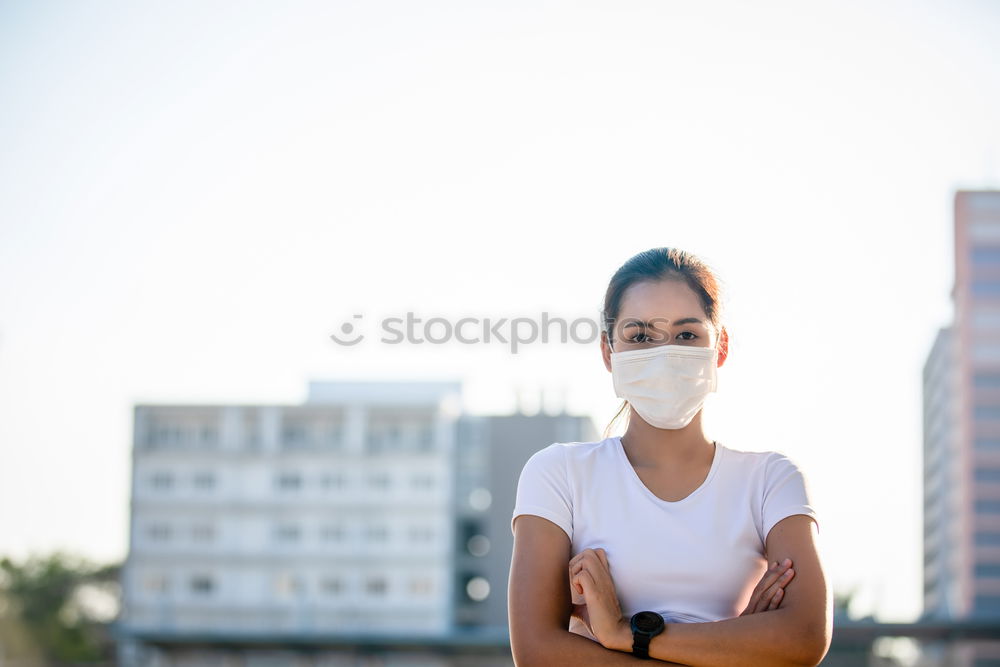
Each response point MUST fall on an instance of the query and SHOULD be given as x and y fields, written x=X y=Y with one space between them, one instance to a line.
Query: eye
x=639 y=338
x=693 y=336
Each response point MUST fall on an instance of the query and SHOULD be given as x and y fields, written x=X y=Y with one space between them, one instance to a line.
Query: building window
x=204 y=481
x=286 y=584
x=334 y=436
x=379 y=480
x=376 y=586
x=165 y=435
x=986 y=411
x=203 y=532
x=251 y=432
x=421 y=585
x=287 y=532
x=986 y=605
x=986 y=256
x=156 y=583
x=985 y=352
x=425 y=481
x=294 y=436
x=986 y=380
x=421 y=533
x=987 y=474
x=990 y=570
x=332 y=586
x=377 y=533
x=988 y=506
x=289 y=481
x=426 y=437
x=988 y=539
x=209 y=436
x=333 y=481
x=161 y=481
x=986 y=288
x=395 y=432
x=333 y=533
x=202 y=584
x=159 y=532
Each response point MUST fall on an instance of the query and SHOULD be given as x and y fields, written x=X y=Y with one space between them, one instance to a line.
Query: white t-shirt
x=697 y=559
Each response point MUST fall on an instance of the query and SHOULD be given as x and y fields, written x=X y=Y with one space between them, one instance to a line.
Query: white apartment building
x=331 y=516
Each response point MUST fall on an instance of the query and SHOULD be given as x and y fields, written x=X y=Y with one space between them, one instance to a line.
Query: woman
x=649 y=544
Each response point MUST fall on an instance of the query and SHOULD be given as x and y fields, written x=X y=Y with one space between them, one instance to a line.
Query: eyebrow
x=677 y=323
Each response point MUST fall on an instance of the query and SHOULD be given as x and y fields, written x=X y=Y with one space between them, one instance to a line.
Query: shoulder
x=567 y=457
x=765 y=460
x=778 y=464
x=765 y=469
x=747 y=461
x=570 y=452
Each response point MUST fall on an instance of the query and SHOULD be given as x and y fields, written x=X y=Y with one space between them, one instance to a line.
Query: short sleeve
x=786 y=492
x=543 y=489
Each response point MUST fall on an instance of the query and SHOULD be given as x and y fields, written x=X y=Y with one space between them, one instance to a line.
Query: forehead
x=669 y=299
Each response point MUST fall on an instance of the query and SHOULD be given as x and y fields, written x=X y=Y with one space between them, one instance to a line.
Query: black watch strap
x=640 y=645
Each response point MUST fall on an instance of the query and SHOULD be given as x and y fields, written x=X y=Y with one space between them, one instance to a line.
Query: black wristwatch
x=645 y=626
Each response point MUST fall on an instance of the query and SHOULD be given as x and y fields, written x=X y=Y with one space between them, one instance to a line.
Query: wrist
x=622 y=639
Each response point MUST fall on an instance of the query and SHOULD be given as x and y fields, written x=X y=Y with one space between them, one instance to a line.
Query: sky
x=195 y=195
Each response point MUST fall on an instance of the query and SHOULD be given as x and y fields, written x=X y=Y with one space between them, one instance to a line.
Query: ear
x=606 y=350
x=723 y=346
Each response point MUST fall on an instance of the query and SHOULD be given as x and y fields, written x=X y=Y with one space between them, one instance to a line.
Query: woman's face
x=662 y=312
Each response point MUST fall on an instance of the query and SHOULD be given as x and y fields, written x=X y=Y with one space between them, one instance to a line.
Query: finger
x=586 y=581
x=770 y=599
x=760 y=588
x=575 y=583
x=764 y=591
x=604 y=558
x=776 y=600
x=779 y=585
x=771 y=577
x=591 y=573
x=597 y=564
x=572 y=584
x=773 y=573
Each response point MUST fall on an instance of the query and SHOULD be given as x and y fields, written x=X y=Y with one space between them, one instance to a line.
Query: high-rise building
x=962 y=426
x=373 y=509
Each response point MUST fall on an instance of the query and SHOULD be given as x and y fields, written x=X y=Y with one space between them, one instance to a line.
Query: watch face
x=647 y=621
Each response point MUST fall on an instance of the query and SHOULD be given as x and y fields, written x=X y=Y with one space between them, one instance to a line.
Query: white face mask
x=665 y=384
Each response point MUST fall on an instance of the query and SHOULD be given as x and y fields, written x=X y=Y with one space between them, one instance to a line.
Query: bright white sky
x=194 y=195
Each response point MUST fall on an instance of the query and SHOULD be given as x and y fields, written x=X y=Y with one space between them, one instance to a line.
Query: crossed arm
x=539 y=607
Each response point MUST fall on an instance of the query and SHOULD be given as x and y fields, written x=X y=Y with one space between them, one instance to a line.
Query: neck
x=653 y=447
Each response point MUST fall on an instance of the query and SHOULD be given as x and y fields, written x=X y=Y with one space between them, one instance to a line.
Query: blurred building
x=374 y=509
x=962 y=427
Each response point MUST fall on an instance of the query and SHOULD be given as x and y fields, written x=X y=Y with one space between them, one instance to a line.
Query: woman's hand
x=593 y=589
x=771 y=588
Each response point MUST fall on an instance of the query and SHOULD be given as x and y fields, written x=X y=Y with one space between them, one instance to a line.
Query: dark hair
x=661 y=264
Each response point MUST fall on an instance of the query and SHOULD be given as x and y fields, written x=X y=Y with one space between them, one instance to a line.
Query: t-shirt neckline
x=716 y=459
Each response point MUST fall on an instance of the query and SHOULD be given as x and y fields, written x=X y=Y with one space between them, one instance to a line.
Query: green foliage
x=40 y=599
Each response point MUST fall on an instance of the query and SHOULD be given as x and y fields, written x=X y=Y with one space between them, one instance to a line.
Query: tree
x=57 y=607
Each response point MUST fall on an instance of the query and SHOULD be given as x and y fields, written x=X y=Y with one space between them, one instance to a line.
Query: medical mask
x=665 y=384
